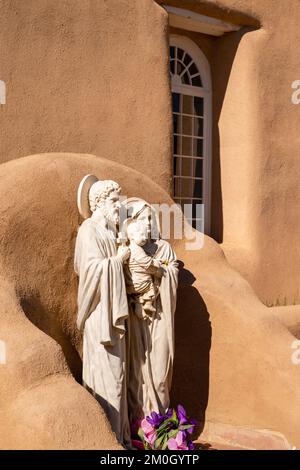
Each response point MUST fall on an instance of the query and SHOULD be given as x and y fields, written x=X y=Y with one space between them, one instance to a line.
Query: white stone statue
x=102 y=300
x=128 y=327
x=150 y=336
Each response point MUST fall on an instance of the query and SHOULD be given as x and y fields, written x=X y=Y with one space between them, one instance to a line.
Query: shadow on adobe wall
x=192 y=349
x=225 y=49
x=51 y=326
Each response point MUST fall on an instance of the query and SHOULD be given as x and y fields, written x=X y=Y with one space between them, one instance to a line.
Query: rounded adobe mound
x=229 y=347
x=39 y=221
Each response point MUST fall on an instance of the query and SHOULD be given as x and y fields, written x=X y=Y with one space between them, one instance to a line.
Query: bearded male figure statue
x=102 y=300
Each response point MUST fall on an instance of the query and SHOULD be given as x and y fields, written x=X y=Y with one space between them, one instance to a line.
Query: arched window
x=191 y=92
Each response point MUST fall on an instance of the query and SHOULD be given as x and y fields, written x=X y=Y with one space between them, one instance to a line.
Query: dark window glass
x=193 y=69
x=198 y=127
x=180 y=68
x=172 y=52
x=186 y=79
x=186 y=167
x=198 y=104
x=198 y=168
x=175 y=123
x=187 y=59
x=172 y=66
x=198 y=148
x=176 y=144
x=177 y=166
x=176 y=102
x=180 y=53
x=197 y=189
x=196 y=81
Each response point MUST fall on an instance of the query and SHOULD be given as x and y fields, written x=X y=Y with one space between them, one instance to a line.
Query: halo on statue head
x=130 y=210
x=83 y=195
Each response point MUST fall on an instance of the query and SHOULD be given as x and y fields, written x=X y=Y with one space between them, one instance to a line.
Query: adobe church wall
x=255 y=178
x=87 y=77
x=259 y=141
x=93 y=77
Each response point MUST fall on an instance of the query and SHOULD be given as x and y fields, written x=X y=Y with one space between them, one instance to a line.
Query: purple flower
x=191 y=445
x=181 y=413
x=184 y=420
x=155 y=419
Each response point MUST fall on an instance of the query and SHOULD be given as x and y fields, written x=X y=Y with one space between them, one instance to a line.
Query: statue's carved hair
x=100 y=191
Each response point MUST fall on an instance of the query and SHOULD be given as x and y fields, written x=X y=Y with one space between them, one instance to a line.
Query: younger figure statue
x=142 y=272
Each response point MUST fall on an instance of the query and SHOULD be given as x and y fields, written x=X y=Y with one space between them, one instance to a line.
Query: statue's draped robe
x=150 y=345
x=102 y=312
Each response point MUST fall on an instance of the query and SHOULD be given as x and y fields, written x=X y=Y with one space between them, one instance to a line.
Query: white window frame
x=205 y=92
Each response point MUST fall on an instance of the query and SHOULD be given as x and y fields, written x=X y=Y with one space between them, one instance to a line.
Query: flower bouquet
x=160 y=432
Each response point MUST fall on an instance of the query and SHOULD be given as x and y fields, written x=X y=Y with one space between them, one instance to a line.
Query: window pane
x=175 y=123
x=176 y=187
x=193 y=69
x=172 y=52
x=198 y=127
x=187 y=104
x=196 y=81
x=186 y=167
x=198 y=103
x=186 y=79
x=197 y=168
x=187 y=125
x=177 y=144
x=172 y=66
x=177 y=166
x=186 y=146
x=197 y=188
x=180 y=68
x=187 y=185
x=176 y=102
x=179 y=53
x=197 y=147
x=187 y=59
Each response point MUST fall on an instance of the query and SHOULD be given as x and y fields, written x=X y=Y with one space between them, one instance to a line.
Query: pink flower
x=149 y=431
x=178 y=443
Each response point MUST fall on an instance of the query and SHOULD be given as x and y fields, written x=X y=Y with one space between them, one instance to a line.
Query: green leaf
x=166 y=423
x=165 y=443
x=163 y=426
x=158 y=441
x=141 y=434
x=174 y=417
x=173 y=433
